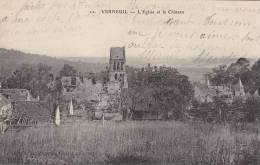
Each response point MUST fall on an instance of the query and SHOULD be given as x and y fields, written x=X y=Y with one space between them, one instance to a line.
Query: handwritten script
x=148 y=29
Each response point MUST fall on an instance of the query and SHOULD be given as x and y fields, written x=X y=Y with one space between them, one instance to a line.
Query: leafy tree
x=203 y=111
x=256 y=74
x=238 y=110
x=220 y=76
x=31 y=77
x=215 y=111
x=68 y=70
x=229 y=75
x=164 y=89
x=220 y=108
x=15 y=80
x=43 y=72
x=241 y=69
x=252 y=108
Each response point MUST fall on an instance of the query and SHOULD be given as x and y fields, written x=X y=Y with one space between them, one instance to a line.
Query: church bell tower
x=117 y=66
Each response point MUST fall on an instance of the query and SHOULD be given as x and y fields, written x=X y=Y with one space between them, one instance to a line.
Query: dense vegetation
x=240 y=110
x=219 y=111
x=141 y=143
x=154 y=142
x=160 y=89
x=10 y=60
x=229 y=75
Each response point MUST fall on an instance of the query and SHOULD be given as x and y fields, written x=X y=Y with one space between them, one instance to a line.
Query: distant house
x=145 y=109
x=16 y=94
x=39 y=112
x=84 y=90
x=206 y=92
x=203 y=94
x=146 y=115
x=70 y=83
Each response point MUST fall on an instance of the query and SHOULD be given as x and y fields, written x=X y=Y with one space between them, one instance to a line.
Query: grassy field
x=133 y=143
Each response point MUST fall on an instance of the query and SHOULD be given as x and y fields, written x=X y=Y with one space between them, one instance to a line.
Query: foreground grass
x=133 y=143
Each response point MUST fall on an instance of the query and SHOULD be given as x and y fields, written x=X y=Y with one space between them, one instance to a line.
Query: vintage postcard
x=129 y=82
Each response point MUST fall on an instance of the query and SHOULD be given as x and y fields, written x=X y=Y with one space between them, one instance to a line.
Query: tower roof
x=238 y=86
x=256 y=94
x=240 y=83
x=117 y=53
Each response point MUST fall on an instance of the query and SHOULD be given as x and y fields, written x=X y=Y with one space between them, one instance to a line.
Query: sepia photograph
x=133 y=82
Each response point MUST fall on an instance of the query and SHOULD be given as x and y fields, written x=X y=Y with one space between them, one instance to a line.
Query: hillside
x=184 y=66
x=12 y=59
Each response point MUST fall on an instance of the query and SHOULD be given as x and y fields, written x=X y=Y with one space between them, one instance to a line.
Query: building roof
x=238 y=86
x=256 y=94
x=117 y=53
x=39 y=111
x=222 y=89
x=16 y=94
x=66 y=81
x=87 y=91
x=201 y=93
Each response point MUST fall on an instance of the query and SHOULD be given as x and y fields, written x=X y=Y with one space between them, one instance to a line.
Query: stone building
x=206 y=92
x=69 y=83
x=112 y=99
x=117 y=66
x=16 y=94
x=93 y=95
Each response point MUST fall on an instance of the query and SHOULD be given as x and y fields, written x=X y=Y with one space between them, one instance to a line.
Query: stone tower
x=117 y=66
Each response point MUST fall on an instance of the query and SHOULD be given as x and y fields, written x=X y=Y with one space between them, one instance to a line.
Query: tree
x=252 y=108
x=229 y=75
x=256 y=74
x=164 y=90
x=43 y=72
x=215 y=111
x=241 y=69
x=220 y=108
x=220 y=76
x=68 y=70
x=31 y=77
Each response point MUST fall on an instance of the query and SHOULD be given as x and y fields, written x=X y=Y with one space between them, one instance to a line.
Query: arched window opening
x=118 y=65
x=114 y=67
x=122 y=65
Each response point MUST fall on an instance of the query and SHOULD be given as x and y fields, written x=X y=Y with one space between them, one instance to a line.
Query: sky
x=84 y=28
